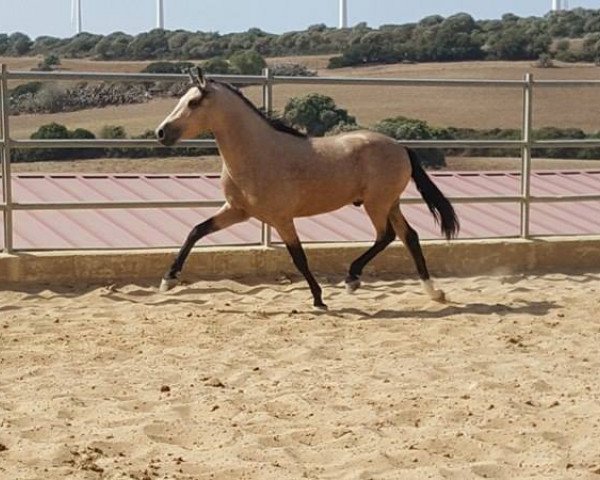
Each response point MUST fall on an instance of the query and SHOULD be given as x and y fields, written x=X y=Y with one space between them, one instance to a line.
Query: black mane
x=276 y=123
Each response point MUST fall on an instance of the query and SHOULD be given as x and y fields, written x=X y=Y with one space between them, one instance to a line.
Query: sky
x=53 y=17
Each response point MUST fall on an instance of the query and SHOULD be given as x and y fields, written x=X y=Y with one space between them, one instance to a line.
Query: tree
x=247 y=63
x=19 y=44
x=316 y=114
x=113 y=47
x=81 y=45
x=46 y=44
x=149 y=45
x=217 y=66
x=4 y=43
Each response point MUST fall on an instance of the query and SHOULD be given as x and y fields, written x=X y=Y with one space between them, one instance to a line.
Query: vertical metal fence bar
x=526 y=156
x=267 y=233
x=6 y=175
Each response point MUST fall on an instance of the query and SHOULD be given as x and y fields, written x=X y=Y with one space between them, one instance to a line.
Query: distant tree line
x=434 y=38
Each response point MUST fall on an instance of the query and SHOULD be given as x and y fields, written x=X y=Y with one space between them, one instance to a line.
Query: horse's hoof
x=353 y=285
x=167 y=284
x=438 y=296
x=320 y=307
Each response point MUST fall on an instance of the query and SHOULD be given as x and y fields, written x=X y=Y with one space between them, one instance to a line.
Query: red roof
x=143 y=228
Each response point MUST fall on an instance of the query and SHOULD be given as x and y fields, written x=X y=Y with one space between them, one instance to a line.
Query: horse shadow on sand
x=193 y=294
x=449 y=309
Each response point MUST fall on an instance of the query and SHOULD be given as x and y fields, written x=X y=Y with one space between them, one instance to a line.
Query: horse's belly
x=315 y=205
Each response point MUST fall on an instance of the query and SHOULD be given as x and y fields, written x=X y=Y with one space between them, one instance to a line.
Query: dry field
x=226 y=380
x=461 y=107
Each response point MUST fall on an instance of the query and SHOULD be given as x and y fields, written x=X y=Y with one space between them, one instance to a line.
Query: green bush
x=402 y=128
x=56 y=131
x=248 y=62
x=30 y=88
x=49 y=63
x=51 y=131
x=112 y=132
x=316 y=114
x=216 y=66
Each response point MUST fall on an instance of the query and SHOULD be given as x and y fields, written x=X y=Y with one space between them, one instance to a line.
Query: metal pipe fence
x=267 y=81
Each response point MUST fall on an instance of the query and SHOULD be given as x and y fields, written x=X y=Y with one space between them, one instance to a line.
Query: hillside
x=435 y=38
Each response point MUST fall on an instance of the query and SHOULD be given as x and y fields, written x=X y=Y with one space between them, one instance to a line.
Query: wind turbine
x=76 y=15
x=343 y=14
x=160 y=14
x=556 y=5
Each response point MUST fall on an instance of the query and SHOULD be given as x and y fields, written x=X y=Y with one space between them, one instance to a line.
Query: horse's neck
x=241 y=136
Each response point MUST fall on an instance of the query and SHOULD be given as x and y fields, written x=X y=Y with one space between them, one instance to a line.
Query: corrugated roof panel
x=574 y=218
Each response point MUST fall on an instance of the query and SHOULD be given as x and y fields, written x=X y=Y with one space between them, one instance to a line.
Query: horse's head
x=190 y=117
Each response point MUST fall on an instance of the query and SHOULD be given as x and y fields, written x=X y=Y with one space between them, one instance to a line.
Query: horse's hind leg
x=224 y=218
x=410 y=238
x=385 y=236
x=289 y=236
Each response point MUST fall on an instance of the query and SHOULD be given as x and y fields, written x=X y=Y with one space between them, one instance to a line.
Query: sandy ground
x=229 y=380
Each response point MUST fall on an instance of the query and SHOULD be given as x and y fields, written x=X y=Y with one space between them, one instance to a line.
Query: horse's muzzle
x=167 y=135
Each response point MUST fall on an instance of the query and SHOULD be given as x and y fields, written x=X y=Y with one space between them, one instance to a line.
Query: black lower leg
x=196 y=234
x=299 y=259
x=414 y=247
x=359 y=264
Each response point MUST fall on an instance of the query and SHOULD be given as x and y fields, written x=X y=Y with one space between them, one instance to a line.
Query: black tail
x=438 y=204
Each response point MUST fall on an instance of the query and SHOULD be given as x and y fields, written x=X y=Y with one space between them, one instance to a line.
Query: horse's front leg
x=288 y=234
x=224 y=218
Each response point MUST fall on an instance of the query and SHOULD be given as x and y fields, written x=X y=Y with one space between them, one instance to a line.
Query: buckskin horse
x=275 y=173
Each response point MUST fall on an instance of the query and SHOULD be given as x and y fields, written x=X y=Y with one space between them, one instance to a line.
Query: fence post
x=526 y=155
x=5 y=159
x=267 y=233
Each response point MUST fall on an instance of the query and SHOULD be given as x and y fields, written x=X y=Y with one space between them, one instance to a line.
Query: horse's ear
x=197 y=77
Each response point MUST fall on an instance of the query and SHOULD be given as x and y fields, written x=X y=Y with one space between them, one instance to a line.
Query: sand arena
x=238 y=378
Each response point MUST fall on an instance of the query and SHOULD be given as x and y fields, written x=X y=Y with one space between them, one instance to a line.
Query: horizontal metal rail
x=124 y=144
x=564 y=198
x=399 y=82
x=448 y=144
x=118 y=205
x=567 y=83
x=584 y=143
x=54 y=144
x=129 y=77
x=218 y=203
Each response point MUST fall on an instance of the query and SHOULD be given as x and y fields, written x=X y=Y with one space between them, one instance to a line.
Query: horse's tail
x=438 y=204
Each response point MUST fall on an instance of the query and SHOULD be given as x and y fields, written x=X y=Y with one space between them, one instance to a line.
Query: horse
x=275 y=173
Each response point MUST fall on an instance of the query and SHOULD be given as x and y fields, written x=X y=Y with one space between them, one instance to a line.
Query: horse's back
x=374 y=155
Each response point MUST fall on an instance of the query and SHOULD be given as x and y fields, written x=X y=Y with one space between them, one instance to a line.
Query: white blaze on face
x=182 y=109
